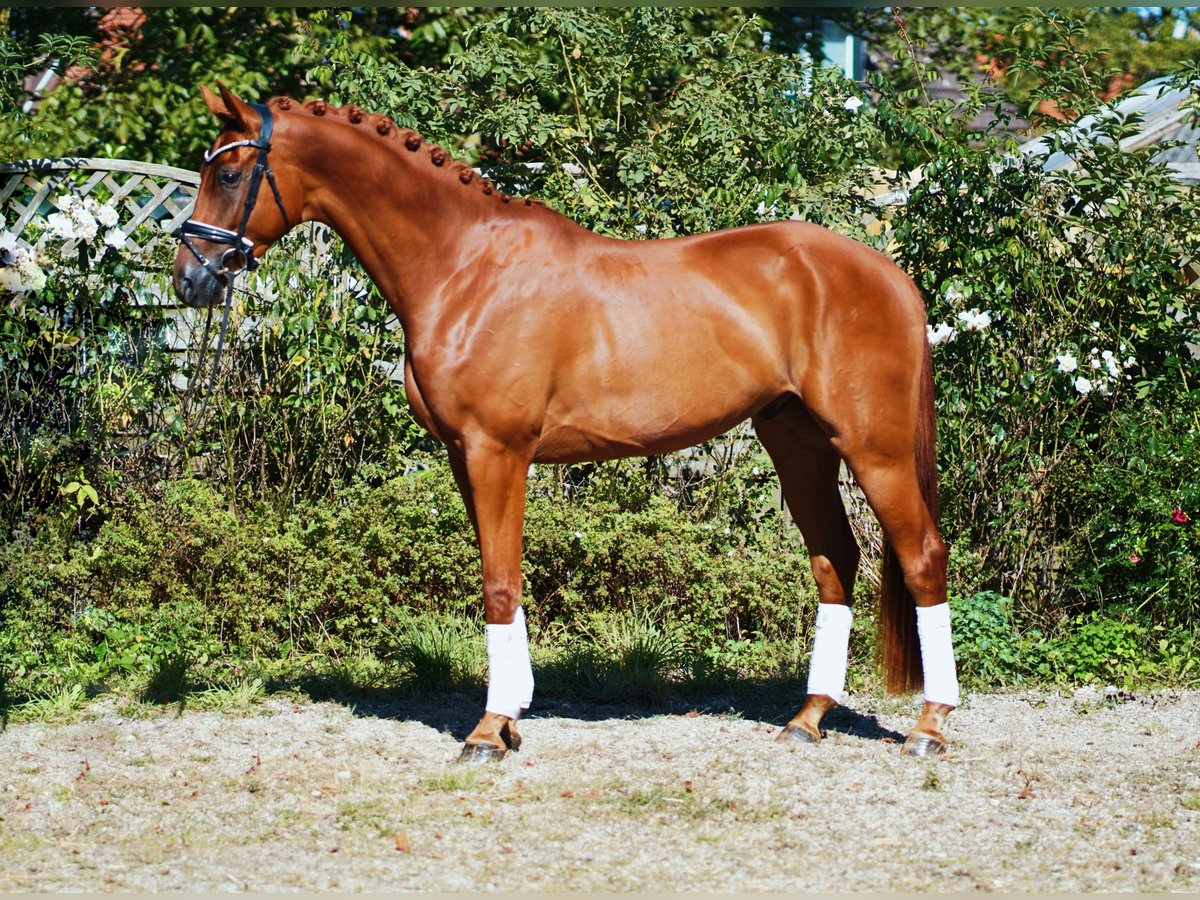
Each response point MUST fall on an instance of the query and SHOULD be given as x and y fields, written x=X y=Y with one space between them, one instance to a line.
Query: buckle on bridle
x=231 y=256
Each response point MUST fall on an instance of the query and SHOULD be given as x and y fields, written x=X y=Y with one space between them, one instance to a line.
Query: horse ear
x=226 y=107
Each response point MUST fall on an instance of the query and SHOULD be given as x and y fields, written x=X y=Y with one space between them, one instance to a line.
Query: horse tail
x=900 y=650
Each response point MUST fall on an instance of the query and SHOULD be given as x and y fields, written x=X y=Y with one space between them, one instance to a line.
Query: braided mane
x=389 y=130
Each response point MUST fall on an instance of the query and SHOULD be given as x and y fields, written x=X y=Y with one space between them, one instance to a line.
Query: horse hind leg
x=807 y=464
x=914 y=589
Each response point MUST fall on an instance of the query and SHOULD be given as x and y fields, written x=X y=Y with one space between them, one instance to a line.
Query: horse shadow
x=456 y=711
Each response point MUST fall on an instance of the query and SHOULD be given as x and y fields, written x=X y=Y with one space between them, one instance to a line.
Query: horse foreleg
x=492 y=479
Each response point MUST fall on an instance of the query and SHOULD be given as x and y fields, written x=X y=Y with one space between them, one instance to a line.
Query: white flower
x=61 y=225
x=22 y=274
x=87 y=226
x=853 y=103
x=974 y=320
x=954 y=294
x=1083 y=385
x=1067 y=363
x=73 y=222
x=35 y=278
x=107 y=215
x=763 y=210
x=10 y=281
x=115 y=237
x=641 y=229
x=942 y=334
x=8 y=242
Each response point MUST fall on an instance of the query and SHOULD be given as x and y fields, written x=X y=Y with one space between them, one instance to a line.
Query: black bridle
x=241 y=250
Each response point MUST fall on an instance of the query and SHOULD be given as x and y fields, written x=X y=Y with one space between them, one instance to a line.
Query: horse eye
x=229 y=177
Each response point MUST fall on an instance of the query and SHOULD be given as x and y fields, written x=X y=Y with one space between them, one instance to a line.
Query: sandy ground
x=1039 y=792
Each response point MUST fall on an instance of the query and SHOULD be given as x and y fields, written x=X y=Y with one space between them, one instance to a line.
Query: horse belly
x=645 y=413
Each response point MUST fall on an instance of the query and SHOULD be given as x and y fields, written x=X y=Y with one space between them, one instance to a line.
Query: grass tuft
x=455 y=779
x=236 y=698
x=60 y=708
x=439 y=654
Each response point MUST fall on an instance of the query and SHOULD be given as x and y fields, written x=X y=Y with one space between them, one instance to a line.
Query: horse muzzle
x=196 y=285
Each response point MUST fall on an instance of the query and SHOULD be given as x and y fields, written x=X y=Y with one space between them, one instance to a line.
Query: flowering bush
x=96 y=394
x=82 y=356
x=1052 y=300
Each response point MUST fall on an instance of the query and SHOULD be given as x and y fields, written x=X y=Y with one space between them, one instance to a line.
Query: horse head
x=230 y=228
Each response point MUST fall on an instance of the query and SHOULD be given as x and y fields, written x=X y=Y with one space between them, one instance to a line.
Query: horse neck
x=412 y=224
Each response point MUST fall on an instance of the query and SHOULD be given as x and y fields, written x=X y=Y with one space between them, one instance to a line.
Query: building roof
x=1164 y=118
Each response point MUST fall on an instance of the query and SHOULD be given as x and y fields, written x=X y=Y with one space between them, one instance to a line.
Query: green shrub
x=180 y=576
x=987 y=646
x=1142 y=536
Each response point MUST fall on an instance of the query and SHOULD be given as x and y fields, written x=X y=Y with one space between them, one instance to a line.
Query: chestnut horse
x=531 y=339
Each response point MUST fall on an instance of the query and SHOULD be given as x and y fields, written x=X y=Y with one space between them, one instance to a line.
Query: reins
x=239 y=254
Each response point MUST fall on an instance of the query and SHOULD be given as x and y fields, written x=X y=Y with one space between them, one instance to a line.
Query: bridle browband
x=241 y=249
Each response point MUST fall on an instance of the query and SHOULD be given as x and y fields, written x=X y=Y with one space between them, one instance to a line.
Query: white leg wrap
x=937 y=654
x=831 y=645
x=510 y=673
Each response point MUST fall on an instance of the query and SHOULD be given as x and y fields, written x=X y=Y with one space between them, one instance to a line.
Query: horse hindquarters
x=864 y=377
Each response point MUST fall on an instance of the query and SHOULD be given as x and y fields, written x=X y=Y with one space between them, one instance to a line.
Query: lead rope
x=189 y=419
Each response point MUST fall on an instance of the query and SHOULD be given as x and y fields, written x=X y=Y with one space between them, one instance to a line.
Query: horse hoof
x=512 y=739
x=794 y=734
x=923 y=745
x=481 y=753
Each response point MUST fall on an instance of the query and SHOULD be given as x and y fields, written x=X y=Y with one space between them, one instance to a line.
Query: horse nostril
x=187 y=289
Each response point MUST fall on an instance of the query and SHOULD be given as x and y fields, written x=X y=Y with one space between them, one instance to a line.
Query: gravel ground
x=1087 y=792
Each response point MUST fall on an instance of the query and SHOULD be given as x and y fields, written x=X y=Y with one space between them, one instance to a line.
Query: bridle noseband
x=241 y=249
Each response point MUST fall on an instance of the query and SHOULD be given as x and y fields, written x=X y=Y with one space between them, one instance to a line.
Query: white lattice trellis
x=142 y=193
x=157 y=197
x=152 y=201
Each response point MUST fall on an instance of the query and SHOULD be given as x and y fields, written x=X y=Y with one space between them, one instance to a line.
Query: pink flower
x=1179 y=517
x=1134 y=558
